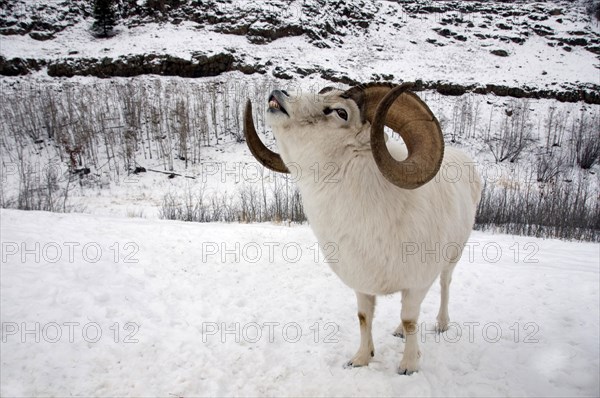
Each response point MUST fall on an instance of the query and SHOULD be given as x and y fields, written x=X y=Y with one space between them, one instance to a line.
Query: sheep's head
x=352 y=111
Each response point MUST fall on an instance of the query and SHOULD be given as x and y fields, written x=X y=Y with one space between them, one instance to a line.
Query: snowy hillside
x=97 y=306
x=538 y=48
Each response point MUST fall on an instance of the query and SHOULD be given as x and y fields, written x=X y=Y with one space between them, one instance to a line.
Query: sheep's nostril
x=285 y=92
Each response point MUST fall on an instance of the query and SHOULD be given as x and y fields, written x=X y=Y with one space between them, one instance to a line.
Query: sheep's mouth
x=275 y=105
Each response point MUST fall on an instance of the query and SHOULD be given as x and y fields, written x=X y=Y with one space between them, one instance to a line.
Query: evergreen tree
x=105 y=17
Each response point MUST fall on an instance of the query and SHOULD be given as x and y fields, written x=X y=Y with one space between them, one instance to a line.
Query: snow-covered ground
x=100 y=306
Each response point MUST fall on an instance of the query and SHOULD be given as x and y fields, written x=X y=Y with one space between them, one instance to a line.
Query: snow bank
x=104 y=306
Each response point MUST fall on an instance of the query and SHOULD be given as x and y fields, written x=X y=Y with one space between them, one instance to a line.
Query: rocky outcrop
x=41 y=20
x=202 y=65
x=19 y=66
x=500 y=24
x=135 y=65
x=324 y=22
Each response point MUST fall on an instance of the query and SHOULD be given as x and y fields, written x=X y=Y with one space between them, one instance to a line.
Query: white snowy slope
x=187 y=309
x=398 y=43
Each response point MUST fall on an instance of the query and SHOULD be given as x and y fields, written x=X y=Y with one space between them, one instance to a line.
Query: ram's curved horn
x=406 y=114
x=264 y=155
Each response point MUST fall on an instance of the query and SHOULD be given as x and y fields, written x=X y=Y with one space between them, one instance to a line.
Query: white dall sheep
x=395 y=224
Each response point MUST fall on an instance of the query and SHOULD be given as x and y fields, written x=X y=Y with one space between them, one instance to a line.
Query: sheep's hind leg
x=366 y=309
x=411 y=307
x=443 y=319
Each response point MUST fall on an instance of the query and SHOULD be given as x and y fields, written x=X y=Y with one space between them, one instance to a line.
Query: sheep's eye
x=342 y=113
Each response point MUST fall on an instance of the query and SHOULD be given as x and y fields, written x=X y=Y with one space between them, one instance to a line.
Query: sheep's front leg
x=366 y=309
x=411 y=306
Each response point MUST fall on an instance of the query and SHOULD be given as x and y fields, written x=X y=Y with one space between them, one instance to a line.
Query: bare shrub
x=564 y=210
x=465 y=118
x=585 y=137
x=556 y=123
x=549 y=166
x=246 y=205
x=39 y=188
x=514 y=135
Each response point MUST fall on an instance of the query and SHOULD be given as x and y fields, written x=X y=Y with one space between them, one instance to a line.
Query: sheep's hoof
x=406 y=372
x=442 y=324
x=355 y=363
x=350 y=365
x=359 y=360
x=399 y=332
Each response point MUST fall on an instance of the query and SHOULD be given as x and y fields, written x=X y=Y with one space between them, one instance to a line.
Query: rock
x=593 y=49
x=306 y=71
x=537 y=17
x=41 y=36
x=451 y=89
x=333 y=76
x=376 y=77
x=445 y=32
x=19 y=66
x=249 y=69
x=500 y=53
x=542 y=30
x=575 y=41
x=280 y=73
x=266 y=33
